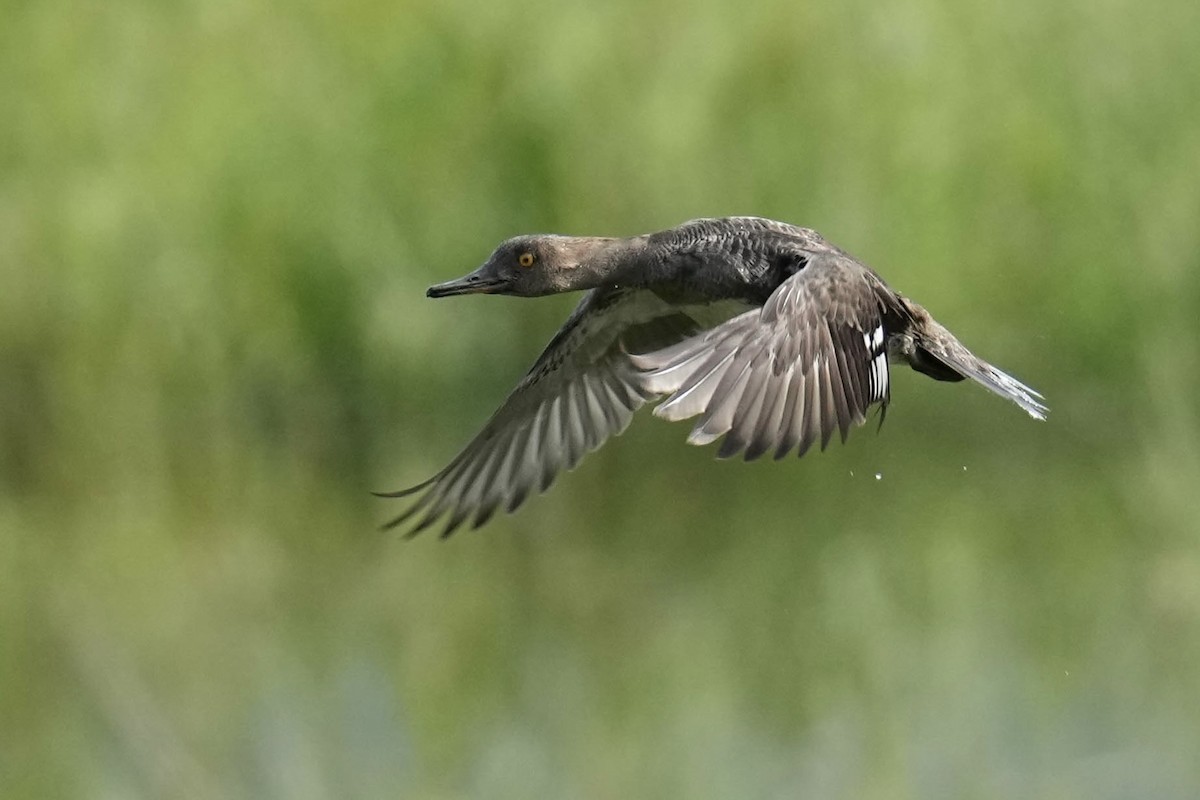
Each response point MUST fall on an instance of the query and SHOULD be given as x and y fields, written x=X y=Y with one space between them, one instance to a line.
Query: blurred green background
x=217 y=222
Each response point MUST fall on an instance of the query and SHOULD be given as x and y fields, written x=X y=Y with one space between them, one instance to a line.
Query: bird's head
x=531 y=266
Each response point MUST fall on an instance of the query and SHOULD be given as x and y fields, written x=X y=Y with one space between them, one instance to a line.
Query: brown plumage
x=772 y=336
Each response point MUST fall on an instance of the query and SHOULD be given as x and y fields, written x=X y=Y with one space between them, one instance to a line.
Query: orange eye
x=526 y=259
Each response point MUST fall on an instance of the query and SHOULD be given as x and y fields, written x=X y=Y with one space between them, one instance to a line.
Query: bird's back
x=726 y=258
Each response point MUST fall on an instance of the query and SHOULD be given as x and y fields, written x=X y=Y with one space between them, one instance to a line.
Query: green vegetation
x=217 y=222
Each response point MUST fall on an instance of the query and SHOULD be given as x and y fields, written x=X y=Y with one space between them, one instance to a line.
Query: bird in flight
x=771 y=335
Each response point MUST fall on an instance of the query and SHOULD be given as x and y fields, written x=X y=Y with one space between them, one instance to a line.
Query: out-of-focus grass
x=216 y=224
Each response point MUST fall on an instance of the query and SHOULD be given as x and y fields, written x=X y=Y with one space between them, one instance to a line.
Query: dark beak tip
x=472 y=284
x=448 y=289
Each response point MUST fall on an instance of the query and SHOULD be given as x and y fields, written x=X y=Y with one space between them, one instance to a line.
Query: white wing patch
x=879 y=365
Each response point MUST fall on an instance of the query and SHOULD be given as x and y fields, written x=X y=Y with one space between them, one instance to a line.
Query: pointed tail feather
x=1006 y=385
x=951 y=353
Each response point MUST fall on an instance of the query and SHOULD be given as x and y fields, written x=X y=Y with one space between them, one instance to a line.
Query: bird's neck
x=599 y=261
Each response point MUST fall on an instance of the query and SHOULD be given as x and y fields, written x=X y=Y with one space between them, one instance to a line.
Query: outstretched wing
x=813 y=359
x=581 y=391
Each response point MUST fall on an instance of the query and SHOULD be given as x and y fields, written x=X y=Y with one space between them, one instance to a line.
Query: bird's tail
x=939 y=354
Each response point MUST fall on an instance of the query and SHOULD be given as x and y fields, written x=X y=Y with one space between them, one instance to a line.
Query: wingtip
x=394 y=523
x=406 y=492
